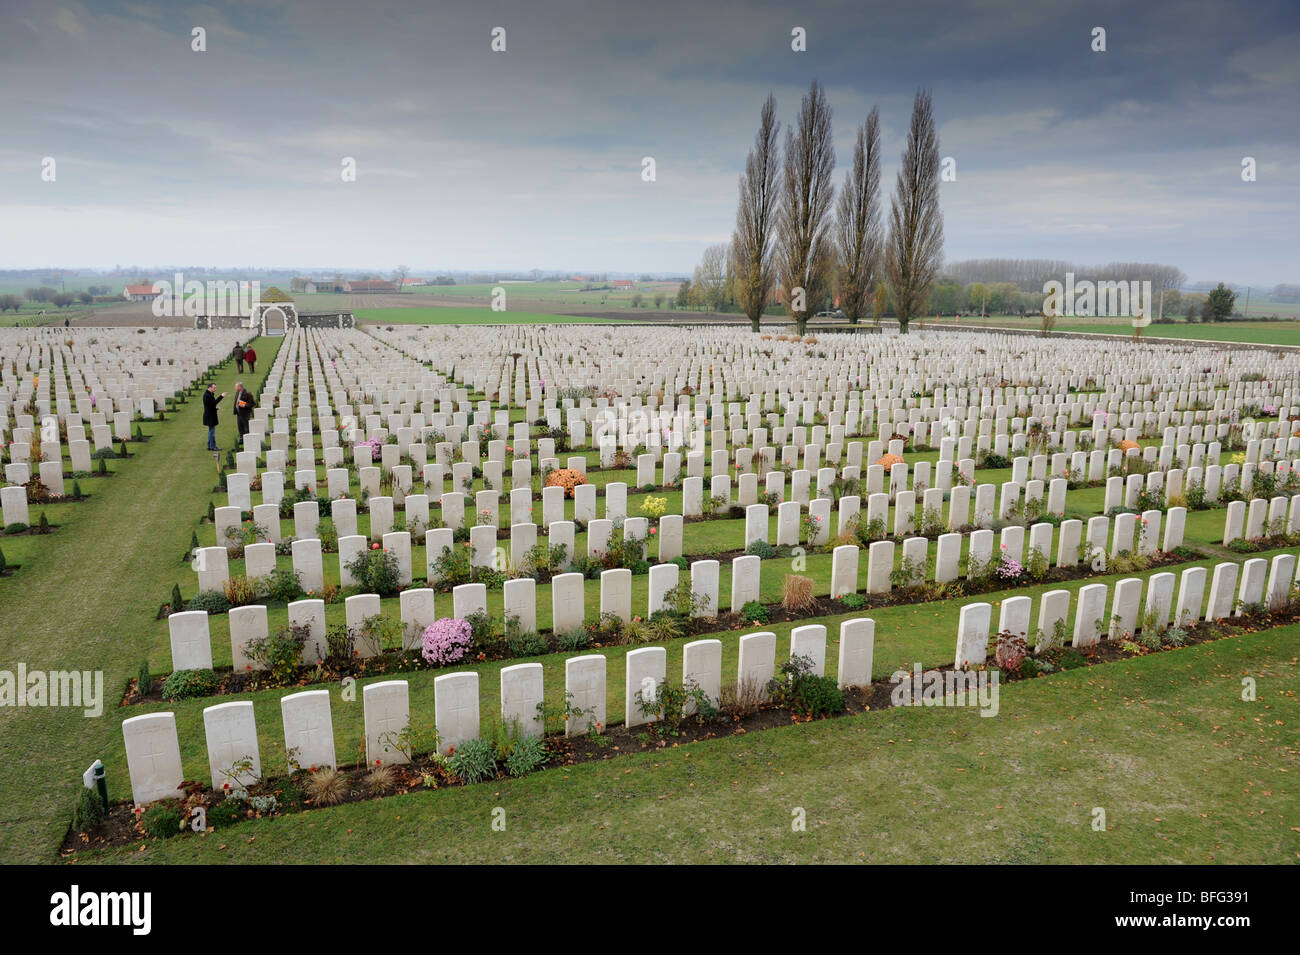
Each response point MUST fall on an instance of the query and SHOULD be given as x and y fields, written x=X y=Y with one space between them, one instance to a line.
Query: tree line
x=798 y=242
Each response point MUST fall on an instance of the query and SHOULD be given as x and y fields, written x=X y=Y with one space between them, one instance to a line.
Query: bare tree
x=915 y=247
x=803 y=242
x=399 y=276
x=752 y=252
x=711 y=276
x=857 y=228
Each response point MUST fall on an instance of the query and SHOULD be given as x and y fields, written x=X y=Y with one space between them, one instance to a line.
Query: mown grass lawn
x=1184 y=769
x=82 y=600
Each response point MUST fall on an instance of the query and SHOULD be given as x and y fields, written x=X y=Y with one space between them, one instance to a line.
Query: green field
x=469 y=316
x=1265 y=333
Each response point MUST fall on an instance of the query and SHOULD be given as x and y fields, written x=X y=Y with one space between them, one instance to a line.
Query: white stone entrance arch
x=274 y=318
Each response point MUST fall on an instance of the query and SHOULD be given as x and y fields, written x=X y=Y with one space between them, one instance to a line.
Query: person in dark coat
x=244 y=405
x=238 y=354
x=210 y=401
x=250 y=357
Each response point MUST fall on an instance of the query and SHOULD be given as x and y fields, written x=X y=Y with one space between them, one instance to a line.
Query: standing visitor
x=244 y=405
x=250 y=357
x=210 y=401
x=238 y=354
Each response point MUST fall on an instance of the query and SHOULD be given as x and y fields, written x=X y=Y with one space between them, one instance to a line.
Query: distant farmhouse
x=313 y=286
x=369 y=286
x=622 y=284
x=139 y=293
x=407 y=283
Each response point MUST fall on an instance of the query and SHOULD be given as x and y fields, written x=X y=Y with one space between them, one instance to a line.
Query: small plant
x=326 y=786
x=576 y=639
x=188 y=684
x=376 y=571
x=671 y=704
x=742 y=698
x=446 y=641
x=380 y=779
x=1174 y=637
x=797 y=593
x=143 y=679
x=805 y=692
x=240 y=591
x=161 y=820
x=762 y=549
x=1010 y=651
x=909 y=573
x=654 y=507
x=88 y=814
x=1036 y=566
x=853 y=601
x=527 y=754
x=473 y=760
x=284 y=584
x=755 y=612
x=280 y=653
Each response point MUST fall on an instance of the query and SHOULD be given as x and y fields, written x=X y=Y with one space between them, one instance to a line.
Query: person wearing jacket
x=244 y=405
x=210 y=401
x=250 y=359
x=237 y=353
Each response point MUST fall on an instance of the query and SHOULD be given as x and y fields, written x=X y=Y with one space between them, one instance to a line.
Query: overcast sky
x=532 y=158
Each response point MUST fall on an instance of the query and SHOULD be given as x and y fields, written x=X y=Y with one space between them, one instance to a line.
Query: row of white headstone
x=153 y=749
x=1262 y=583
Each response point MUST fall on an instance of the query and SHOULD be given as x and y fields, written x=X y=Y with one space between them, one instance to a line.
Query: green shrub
x=284 y=584
x=804 y=691
x=853 y=601
x=188 y=684
x=755 y=612
x=376 y=571
x=1174 y=637
x=162 y=821
x=528 y=754
x=817 y=696
x=88 y=814
x=762 y=549
x=213 y=601
x=279 y=653
x=474 y=760
x=1148 y=638
x=177 y=601
x=143 y=678
x=17 y=527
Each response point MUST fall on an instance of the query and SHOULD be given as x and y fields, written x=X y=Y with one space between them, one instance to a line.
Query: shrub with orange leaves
x=1127 y=446
x=889 y=460
x=567 y=478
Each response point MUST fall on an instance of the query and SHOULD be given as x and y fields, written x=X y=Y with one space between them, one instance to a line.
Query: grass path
x=78 y=604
